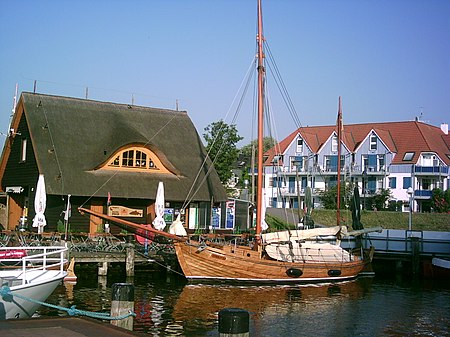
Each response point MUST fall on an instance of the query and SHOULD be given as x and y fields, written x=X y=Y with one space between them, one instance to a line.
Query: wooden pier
x=61 y=327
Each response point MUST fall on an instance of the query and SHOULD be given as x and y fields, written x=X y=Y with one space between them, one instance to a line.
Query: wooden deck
x=61 y=327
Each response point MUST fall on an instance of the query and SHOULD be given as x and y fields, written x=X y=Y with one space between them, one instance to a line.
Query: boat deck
x=61 y=327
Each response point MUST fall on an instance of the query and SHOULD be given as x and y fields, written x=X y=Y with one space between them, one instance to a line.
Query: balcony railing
x=423 y=193
x=430 y=170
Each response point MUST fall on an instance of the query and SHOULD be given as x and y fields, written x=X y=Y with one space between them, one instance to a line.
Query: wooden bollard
x=234 y=322
x=415 y=255
x=122 y=303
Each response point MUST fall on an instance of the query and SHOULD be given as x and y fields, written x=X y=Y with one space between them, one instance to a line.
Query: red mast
x=261 y=72
x=339 y=140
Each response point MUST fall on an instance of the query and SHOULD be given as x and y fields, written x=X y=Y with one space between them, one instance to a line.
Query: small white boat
x=28 y=275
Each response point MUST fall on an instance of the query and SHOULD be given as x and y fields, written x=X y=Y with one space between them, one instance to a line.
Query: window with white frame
x=373 y=142
x=299 y=148
x=334 y=144
x=392 y=182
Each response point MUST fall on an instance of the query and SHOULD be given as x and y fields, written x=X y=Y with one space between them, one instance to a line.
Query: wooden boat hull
x=242 y=264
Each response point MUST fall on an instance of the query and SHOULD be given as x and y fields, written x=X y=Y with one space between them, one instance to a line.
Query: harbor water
x=165 y=305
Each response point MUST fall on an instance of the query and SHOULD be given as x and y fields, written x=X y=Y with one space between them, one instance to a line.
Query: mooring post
x=103 y=268
x=234 y=322
x=129 y=261
x=122 y=303
x=415 y=255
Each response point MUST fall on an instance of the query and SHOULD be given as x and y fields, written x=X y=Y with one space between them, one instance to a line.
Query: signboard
x=122 y=211
x=168 y=215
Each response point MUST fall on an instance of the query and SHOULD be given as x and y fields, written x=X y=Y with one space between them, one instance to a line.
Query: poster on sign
x=216 y=217
x=230 y=214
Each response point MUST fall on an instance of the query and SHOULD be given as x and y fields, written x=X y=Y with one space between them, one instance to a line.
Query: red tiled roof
x=399 y=137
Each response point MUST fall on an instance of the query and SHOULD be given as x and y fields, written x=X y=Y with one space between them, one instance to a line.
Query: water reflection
x=364 y=307
x=207 y=300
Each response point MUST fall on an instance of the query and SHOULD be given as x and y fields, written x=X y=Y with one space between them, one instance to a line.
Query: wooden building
x=92 y=150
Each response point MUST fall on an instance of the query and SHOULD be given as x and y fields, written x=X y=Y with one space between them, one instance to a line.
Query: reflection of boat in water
x=207 y=300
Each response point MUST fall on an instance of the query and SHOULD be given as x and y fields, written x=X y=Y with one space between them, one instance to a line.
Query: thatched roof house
x=92 y=149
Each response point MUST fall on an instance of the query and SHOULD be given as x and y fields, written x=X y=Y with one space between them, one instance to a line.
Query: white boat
x=28 y=275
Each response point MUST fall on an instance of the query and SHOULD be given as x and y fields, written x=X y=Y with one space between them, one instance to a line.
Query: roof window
x=408 y=156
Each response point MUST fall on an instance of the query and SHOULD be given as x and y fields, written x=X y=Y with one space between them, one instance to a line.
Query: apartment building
x=409 y=158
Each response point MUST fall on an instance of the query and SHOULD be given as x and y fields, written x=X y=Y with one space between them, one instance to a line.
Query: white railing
x=36 y=258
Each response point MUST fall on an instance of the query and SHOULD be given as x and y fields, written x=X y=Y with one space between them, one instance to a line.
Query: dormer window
x=137 y=159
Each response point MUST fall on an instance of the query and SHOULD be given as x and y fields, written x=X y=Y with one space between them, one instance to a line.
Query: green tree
x=329 y=197
x=221 y=139
x=246 y=150
x=380 y=200
x=440 y=200
x=246 y=155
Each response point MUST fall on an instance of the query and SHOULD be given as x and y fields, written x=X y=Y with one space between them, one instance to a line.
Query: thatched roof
x=72 y=138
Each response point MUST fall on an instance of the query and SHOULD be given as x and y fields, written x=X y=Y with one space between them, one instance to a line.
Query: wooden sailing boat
x=283 y=257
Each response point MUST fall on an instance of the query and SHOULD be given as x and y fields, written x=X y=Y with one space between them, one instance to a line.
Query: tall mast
x=339 y=140
x=261 y=71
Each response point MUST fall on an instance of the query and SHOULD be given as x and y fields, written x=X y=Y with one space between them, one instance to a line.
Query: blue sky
x=388 y=59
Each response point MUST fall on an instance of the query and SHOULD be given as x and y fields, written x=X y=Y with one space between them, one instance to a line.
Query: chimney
x=444 y=128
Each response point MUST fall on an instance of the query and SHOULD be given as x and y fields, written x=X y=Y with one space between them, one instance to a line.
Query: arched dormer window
x=135 y=158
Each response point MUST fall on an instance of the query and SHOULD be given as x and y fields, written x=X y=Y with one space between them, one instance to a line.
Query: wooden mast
x=339 y=140
x=261 y=72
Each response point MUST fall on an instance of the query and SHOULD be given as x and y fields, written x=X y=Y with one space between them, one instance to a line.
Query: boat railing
x=37 y=258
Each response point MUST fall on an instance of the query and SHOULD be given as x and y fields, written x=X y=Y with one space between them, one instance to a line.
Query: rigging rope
x=7 y=295
x=245 y=82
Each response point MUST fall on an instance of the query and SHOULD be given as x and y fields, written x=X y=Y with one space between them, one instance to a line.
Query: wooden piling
x=122 y=303
x=415 y=255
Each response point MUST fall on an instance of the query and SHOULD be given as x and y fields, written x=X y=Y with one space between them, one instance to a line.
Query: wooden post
x=122 y=303
x=129 y=261
x=234 y=322
x=102 y=268
x=415 y=255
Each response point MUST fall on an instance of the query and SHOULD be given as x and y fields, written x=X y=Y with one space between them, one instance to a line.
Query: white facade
x=370 y=165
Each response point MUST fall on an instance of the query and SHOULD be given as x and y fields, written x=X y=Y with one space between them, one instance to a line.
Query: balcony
x=430 y=170
x=422 y=194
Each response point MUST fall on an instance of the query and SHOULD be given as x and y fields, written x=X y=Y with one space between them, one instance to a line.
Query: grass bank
x=388 y=220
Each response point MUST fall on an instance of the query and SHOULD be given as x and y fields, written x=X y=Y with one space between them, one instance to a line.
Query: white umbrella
x=40 y=201
x=159 y=222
